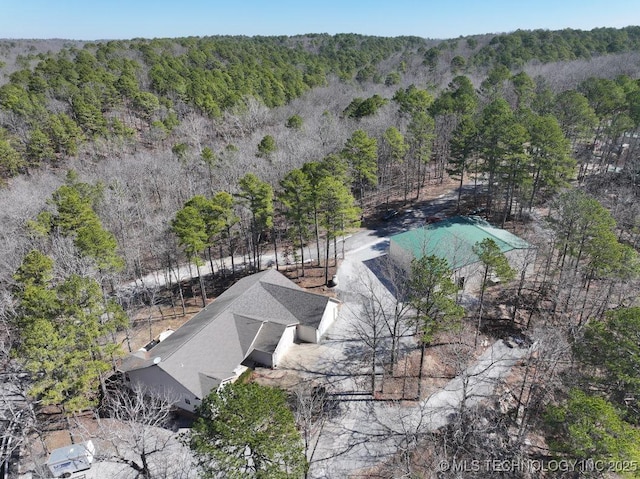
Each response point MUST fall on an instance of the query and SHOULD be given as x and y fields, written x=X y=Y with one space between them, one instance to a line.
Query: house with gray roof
x=252 y=323
x=453 y=239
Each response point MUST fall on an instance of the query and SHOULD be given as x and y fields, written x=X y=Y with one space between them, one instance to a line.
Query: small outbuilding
x=453 y=239
x=64 y=461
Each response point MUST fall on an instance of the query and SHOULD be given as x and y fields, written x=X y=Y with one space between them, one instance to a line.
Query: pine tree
x=247 y=430
x=257 y=196
x=297 y=201
x=495 y=266
x=64 y=333
x=338 y=213
x=190 y=228
x=463 y=146
x=432 y=293
x=361 y=153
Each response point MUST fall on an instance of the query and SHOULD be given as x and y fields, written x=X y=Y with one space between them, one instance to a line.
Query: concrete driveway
x=367 y=433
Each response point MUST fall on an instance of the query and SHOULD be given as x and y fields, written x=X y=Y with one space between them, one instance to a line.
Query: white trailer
x=66 y=460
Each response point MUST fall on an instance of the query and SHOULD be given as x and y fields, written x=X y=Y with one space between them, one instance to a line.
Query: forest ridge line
x=125 y=157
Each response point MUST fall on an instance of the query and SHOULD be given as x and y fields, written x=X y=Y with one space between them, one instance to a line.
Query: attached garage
x=311 y=331
x=255 y=321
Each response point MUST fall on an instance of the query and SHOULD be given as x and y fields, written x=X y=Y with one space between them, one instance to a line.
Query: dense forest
x=122 y=158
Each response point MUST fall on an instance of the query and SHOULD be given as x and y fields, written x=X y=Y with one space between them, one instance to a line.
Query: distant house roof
x=251 y=315
x=453 y=239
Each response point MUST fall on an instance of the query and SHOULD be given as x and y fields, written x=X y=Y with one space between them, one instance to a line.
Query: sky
x=126 y=19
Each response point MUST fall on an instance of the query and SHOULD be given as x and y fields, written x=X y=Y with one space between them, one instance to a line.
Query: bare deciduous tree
x=386 y=316
x=135 y=432
x=313 y=405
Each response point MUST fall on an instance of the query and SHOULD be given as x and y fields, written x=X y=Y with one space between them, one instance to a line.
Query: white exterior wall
x=286 y=341
x=261 y=357
x=519 y=259
x=230 y=380
x=158 y=381
x=472 y=274
x=308 y=334
x=328 y=318
x=400 y=256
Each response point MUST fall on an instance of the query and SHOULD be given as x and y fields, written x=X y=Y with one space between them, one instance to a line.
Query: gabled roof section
x=252 y=314
x=307 y=308
x=248 y=329
x=208 y=383
x=453 y=239
x=268 y=338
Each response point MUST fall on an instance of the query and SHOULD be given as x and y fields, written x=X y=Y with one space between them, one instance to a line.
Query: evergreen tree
x=296 y=197
x=361 y=153
x=574 y=115
x=495 y=266
x=513 y=169
x=223 y=207
x=209 y=158
x=421 y=136
x=463 y=145
x=338 y=213
x=39 y=148
x=10 y=160
x=396 y=149
x=525 y=89
x=247 y=430
x=316 y=171
x=74 y=204
x=610 y=353
x=590 y=428
x=552 y=163
x=432 y=293
x=413 y=100
x=257 y=196
x=496 y=119
x=267 y=146
x=295 y=122
x=64 y=330
x=191 y=229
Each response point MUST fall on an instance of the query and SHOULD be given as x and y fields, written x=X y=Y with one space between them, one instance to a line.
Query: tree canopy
x=610 y=351
x=590 y=427
x=64 y=329
x=247 y=430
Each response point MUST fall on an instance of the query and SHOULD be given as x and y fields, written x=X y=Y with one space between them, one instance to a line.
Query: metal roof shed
x=453 y=239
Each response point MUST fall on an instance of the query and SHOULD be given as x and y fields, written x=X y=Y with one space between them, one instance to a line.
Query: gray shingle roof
x=307 y=308
x=248 y=329
x=268 y=337
x=252 y=314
